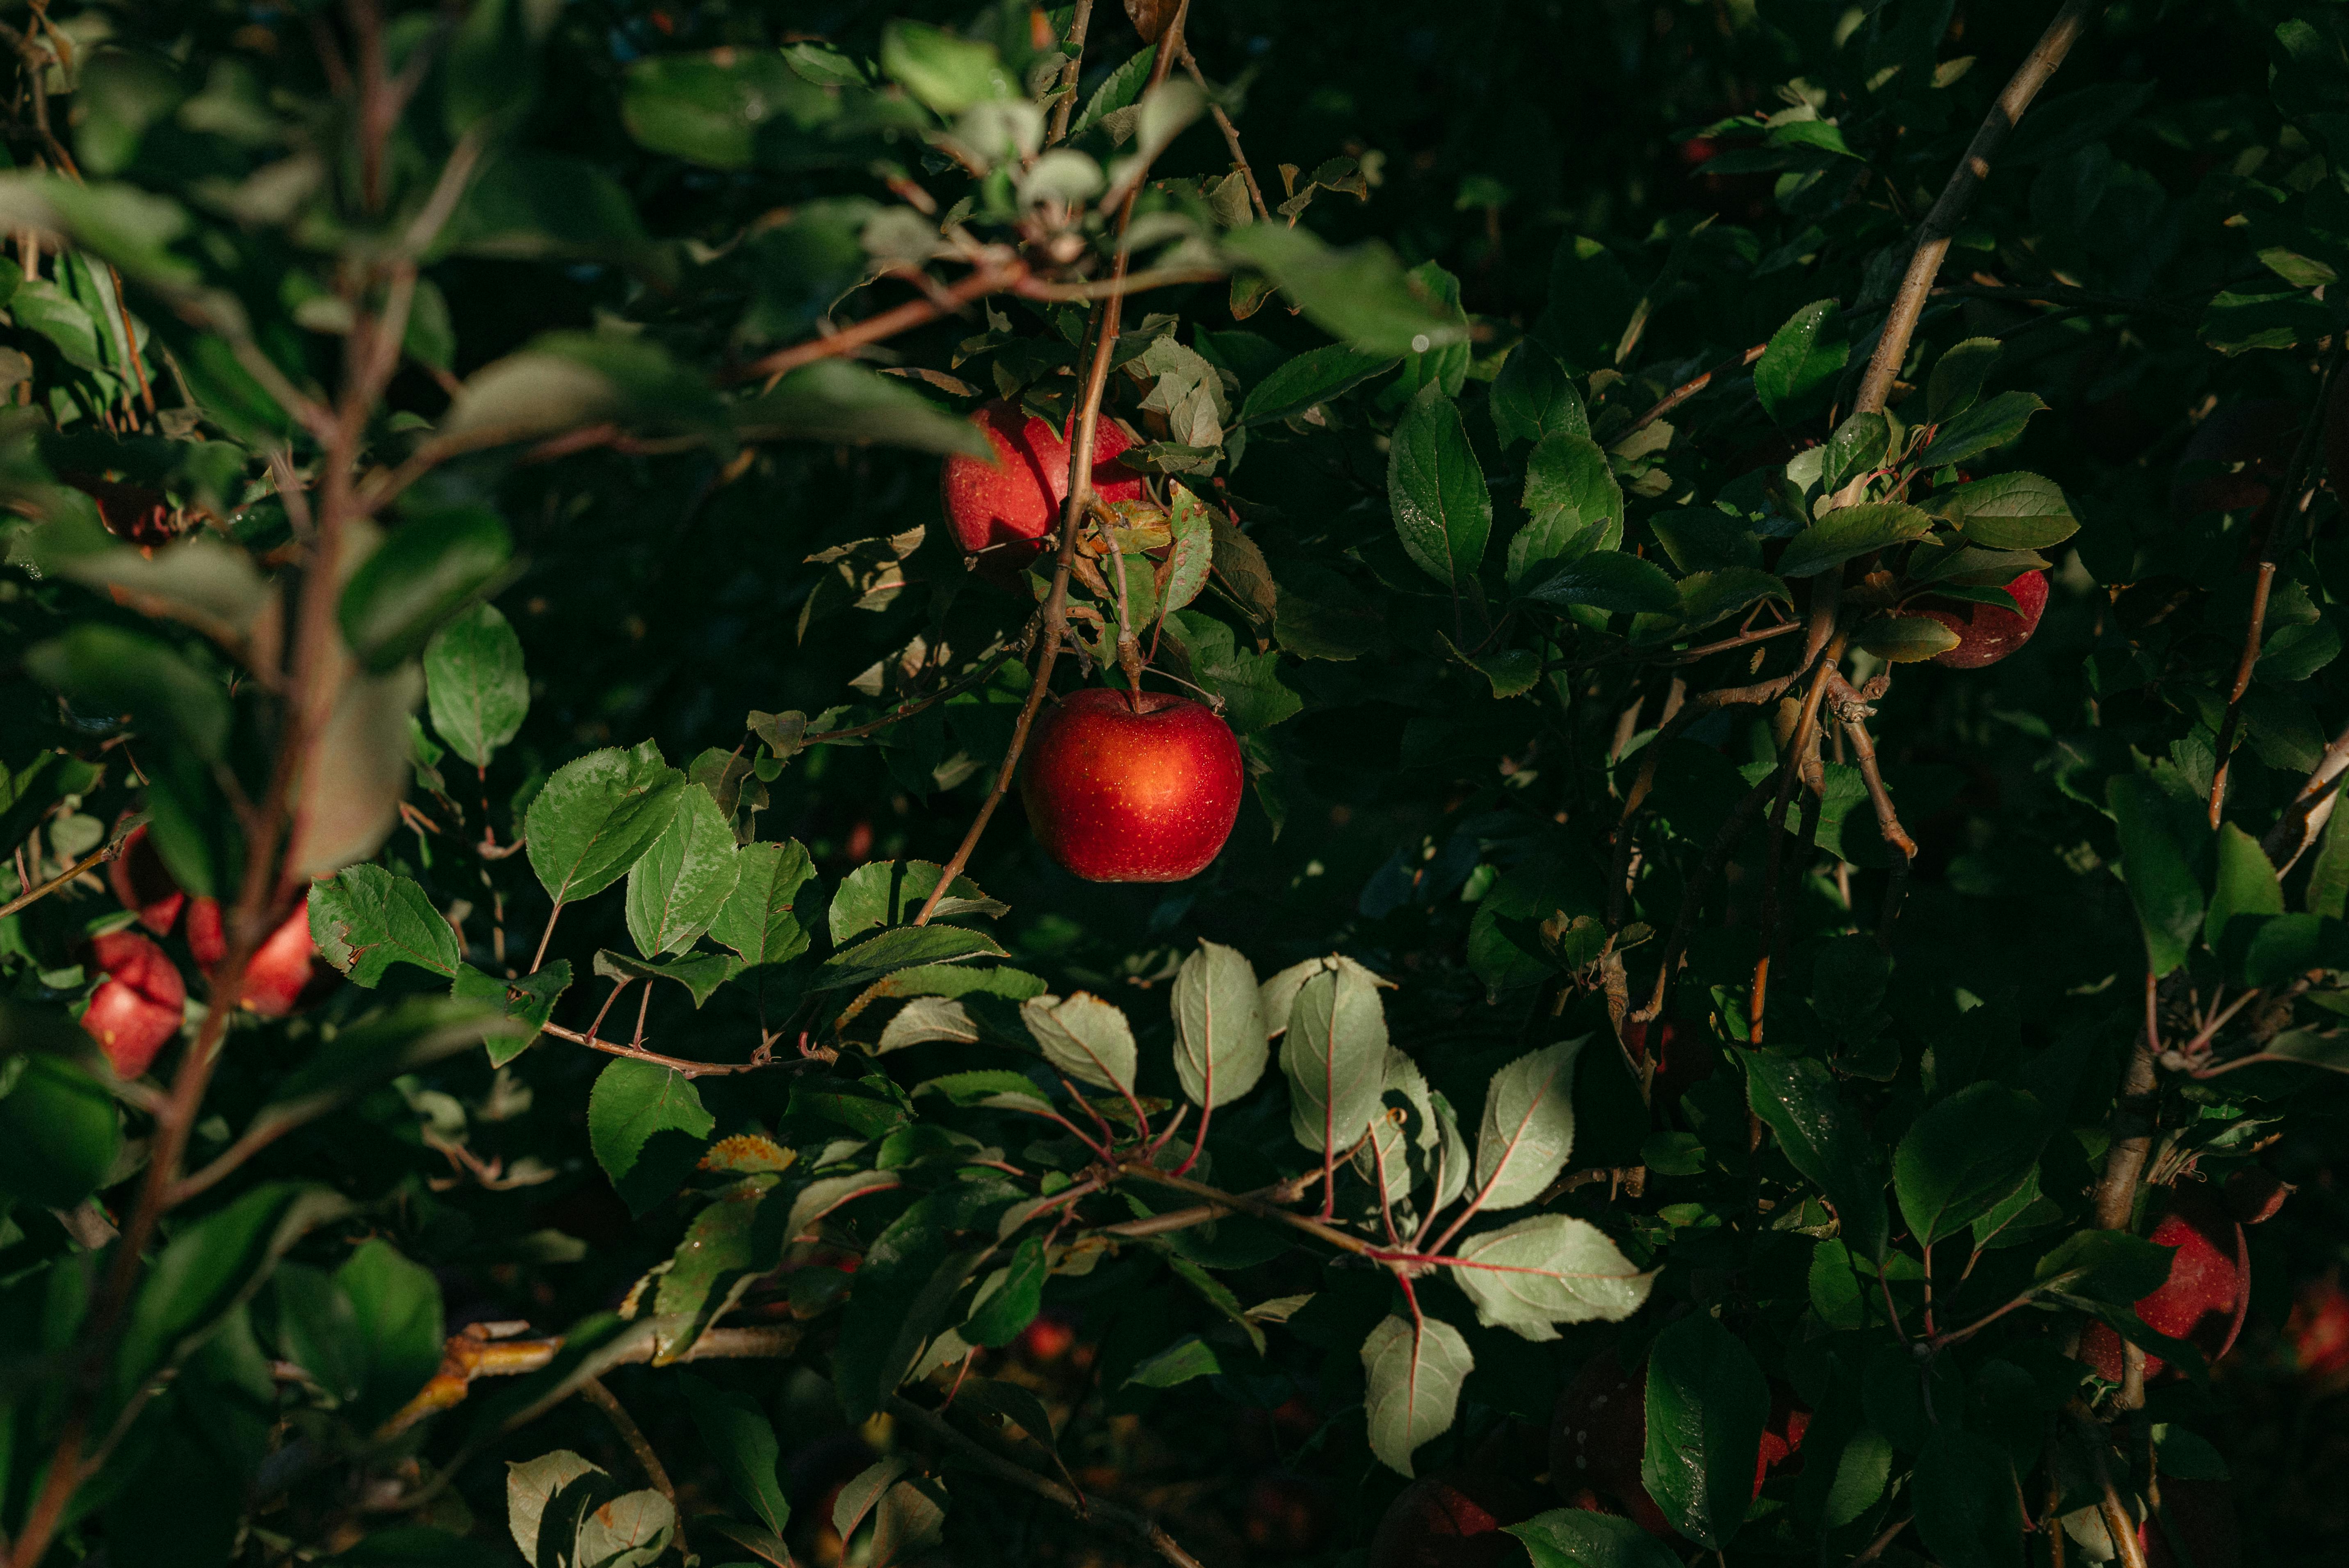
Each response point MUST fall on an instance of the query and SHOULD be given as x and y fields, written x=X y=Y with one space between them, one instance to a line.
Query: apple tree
x=1673 y=675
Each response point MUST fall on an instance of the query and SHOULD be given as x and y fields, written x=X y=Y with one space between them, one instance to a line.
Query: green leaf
x=1590 y=308
x=699 y=973
x=1084 y=1038
x=1861 y=1470
x=1545 y=1270
x=397 y=1320
x=1608 y=580
x=1445 y=365
x=946 y=73
x=1180 y=1362
x=891 y=893
x=2161 y=881
x=1253 y=696
x=1802 y=361
x=1964 y=1155
x=1905 y=639
x=742 y=1441
x=677 y=886
x=1312 y=378
x=722 y=1248
x=1969 y=1512
x=1699 y=539
x=1849 y=531
x=631 y=1530
x=847 y=404
x=1568 y=473
x=1707 y=1403
x=1858 y=447
x=2248 y=885
x=597 y=816
x=1443 y=512
x=548 y=1496
x=1981 y=428
x=107 y=672
x=1120 y=90
x=2237 y=322
x=1958 y=377
x=757 y=919
x=1007 y=1301
x=1359 y=295
x=211 y=1266
x=366 y=919
x=2328 y=878
x=474 y=683
x=1533 y=398
x=909 y=1277
x=1824 y=1139
x=902 y=947
x=2010 y=511
x=421 y=575
x=1583 y=1538
x=1334 y=1054
x=1220 y=1045
x=562 y=380
x=528 y=1002
x=59 y=1130
x=1528 y=1129
x=646 y=1126
x=1710 y=597
x=2109 y=1267
x=1414 y=1373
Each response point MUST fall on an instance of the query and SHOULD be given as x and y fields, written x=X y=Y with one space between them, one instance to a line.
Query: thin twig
x=1941 y=224
x=1688 y=389
x=1231 y=132
x=993 y=277
x=640 y=1448
x=1089 y=1506
x=96 y=858
x=1071 y=73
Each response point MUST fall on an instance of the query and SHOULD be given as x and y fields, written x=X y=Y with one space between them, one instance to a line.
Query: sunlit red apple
x=143 y=884
x=1988 y=632
x=2205 y=1297
x=1002 y=511
x=1124 y=791
x=281 y=968
x=140 y=1006
x=1453 y=1519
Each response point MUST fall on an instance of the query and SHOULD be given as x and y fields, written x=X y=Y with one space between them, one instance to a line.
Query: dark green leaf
x=1824 y=1139
x=2010 y=511
x=1532 y=397
x=1964 y=1155
x=1848 y=532
x=699 y=973
x=1359 y=295
x=679 y=883
x=528 y=1001
x=1980 y=428
x=418 y=579
x=740 y=1438
x=475 y=683
x=1958 y=377
x=646 y=1125
x=910 y=1275
x=1968 y=1512
x=1802 y=361
x=1707 y=1402
x=845 y=403
x=2110 y=1266
x=366 y=919
x=597 y=816
x=1583 y=1538
x=107 y=672
x=2161 y=880
x=396 y=1322
x=1001 y=1312
x=902 y=947
x=1443 y=512
x=59 y=1130
x=1608 y=580
x=757 y=920
x=1311 y=379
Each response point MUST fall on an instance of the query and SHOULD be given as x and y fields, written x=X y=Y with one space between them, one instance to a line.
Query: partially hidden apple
x=141 y=1004
x=1598 y=1436
x=1121 y=789
x=1003 y=511
x=2318 y=1330
x=143 y=884
x=1453 y=1519
x=2204 y=1299
x=1988 y=632
x=281 y=967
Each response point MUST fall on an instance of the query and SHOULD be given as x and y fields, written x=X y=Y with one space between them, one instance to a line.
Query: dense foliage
x=1694 y=1044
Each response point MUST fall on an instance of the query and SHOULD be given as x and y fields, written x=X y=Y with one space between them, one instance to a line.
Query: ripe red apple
x=1453 y=1519
x=1988 y=632
x=2202 y=1520
x=1684 y=1056
x=1124 y=790
x=2205 y=1297
x=141 y=1004
x=281 y=967
x=1009 y=506
x=2318 y=1329
x=1599 y=1435
x=143 y=884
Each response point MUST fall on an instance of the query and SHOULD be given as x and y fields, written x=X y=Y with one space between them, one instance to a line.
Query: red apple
x=2318 y=1329
x=1988 y=632
x=134 y=512
x=2201 y=1519
x=1122 y=790
x=1453 y=1520
x=2254 y=1193
x=2205 y=1297
x=281 y=967
x=141 y=1004
x=1009 y=506
x=142 y=883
